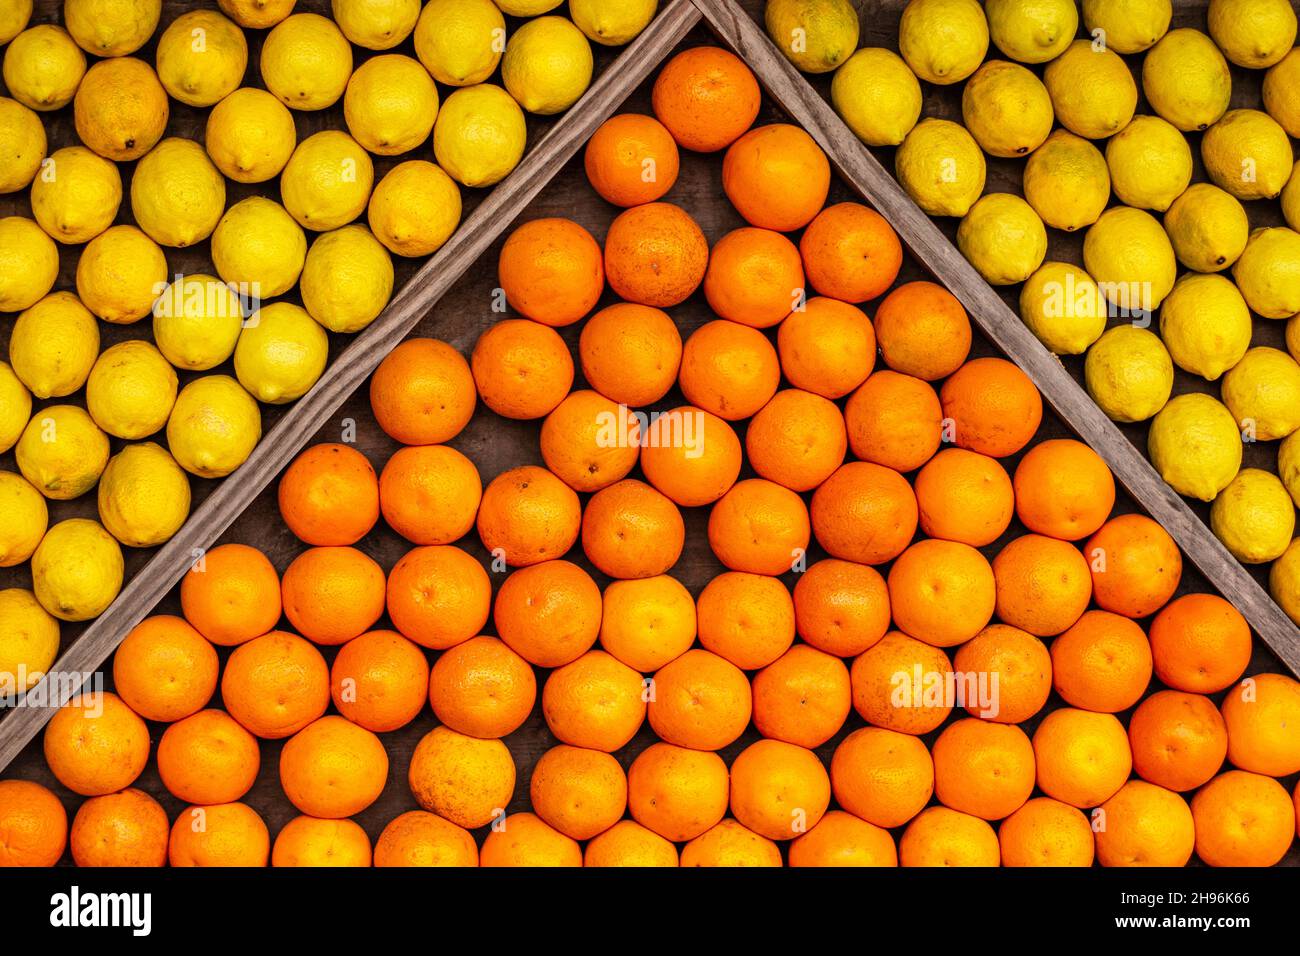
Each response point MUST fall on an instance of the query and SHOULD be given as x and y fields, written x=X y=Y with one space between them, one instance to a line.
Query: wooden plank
x=353 y=366
x=875 y=184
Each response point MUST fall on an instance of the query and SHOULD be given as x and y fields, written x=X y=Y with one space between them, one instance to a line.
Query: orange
x=777 y=177
x=627 y=843
x=33 y=825
x=430 y=494
x=797 y=439
x=851 y=253
x=231 y=594
x=523 y=839
x=275 y=685
x=841 y=607
x=706 y=97
x=594 y=702
x=690 y=455
x=333 y=768
x=308 y=841
x=779 y=790
x=226 y=834
x=631 y=159
x=964 y=496
x=528 y=516
x=655 y=255
x=549 y=613
x=482 y=688
x=1063 y=489
x=1082 y=757
x=1200 y=643
x=1242 y=819
x=841 y=839
x=629 y=530
x=760 y=527
x=1178 y=740
x=419 y=838
x=208 y=758
x=983 y=768
x=95 y=744
x=940 y=836
x=1263 y=718
x=1136 y=566
x=729 y=369
x=466 y=780
x=1021 y=666
x=864 y=513
x=700 y=700
x=899 y=684
x=164 y=670
x=677 y=793
x=579 y=792
x=1046 y=832
x=923 y=331
x=379 y=680
x=422 y=393
x=589 y=442
x=329 y=495
x=438 y=596
x=522 y=369
x=729 y=844
x=942 y=592
x=882 y=776
x=802 y=697
x=828 y=347
x=746 y=618
x=551 y=271
x=755 y=277
x=331 y=595
x=1043 y=584
x=894 y=420
x=630 y=353
x=1144 y=825
x=646 y=622
x=1103 y=663
x=994 y=407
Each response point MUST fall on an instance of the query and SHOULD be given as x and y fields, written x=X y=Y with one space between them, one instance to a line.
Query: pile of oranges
x=798 y=445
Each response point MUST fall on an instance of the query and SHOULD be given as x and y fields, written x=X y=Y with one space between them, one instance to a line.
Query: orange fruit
x=760 y=527
x=522 y=369
x=729 y=370
x=629 y=530
x=549 y=613
x=528 y=516
x=797 y=439
x=864 y=513
x=746 y=618
x=983 y=768
x=1046 y=832
x=1021 y=665
x=851 y=253
x=779 y=790
x=482 y=688
x=164 y=670
x=691 y=456
x=754 y=277
x=422 y=393
x=631 y=159
x=589 y=442
x=942 y=592
x=1136 y=566
x=630 y=353
x=964 y=496
x=828 y=347
x=894 y=420
x=551 y=271
x=332 y=595
x=1145 y=825
x=655 y=255
x=706 y=97
x=226 y=834
x=1200 y=643
x=1063 y=489
x=419 y=838
x=923 y=331
x=729 y=844
x=95 y=744
x=1262 y=714
x=700 y=700
x=677 y=793
x=646 y=622
x=430 y=494
x=1082 y=757
x=379 y=680
x=231 y=594
x=777 y=177
x=882 y=776
x=1043 y=584
x=308 y=841
x=275 y=685
x=594 y=702
x=33 y=825
x=467 y=780
x=940 y=836
x=1103 y=663
x=627 y=843
x=906 y=704
x=1242 y=819
x=1178 y=740
x=523 y=839
x=579 y=792
x=994 y=407
x=802 y=697
x=333 y=768
x=329 y=495
x=841 y=839
x=438 y=596
x=208 y=758
x=841 y=607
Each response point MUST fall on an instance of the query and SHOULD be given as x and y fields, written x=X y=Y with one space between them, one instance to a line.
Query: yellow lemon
x=1007 y=109
x=1282 y=92
x=111 y=27
x=250 y=135
x=201 y=57
x=1128 y=373
x=23 y=519
x=131 y=390
x=1032 y=31
x=527 y=8
x=29 y=263
x=1003 y=238
x=415 y=208
x=144 y=496
x=941 y=167
x=1288 y=465
x=376 y=24
x=460 y=42
x=306 y=62
x=1293 y=337
x=258 y=248
x=77 y=195
x=347 y=279
x=13 y=19
x=1253 y=33
x=1248 y=154
x=15 y=407
x=257 y=14
x=327 y=181
x=1268 y=272
x=616 y=22
x=120 y=109
x=120 y=274
x=1128 y=26
x=1092 y=90
x=479 y=135
x=43 y=67
x=1205 y=324
x=877 y=96
x=1063 y=307
x=53 y=345
x=177 y=195
x=77 y=570
x=196 y=322
x=1195 y=445
x=943 y=41
x=1150 y=163
x=214 y=426
x=281 y=353
x=1291 y=199
x=1263 y=393
x=1186 y=80
x=62 y=452
x=1067 y=182
x=815 y=35
x=1128 y=253
x=24 y=147
x=1284 y=581
x=547 y=65
x=390 y=104
x=29 y=639
x=1254 y=517
x=1208 y=228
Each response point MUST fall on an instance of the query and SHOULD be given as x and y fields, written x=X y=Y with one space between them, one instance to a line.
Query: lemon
x=43 y=67
x=1128 y=373
x=201 y=57
x=327 y=181
x=1291 y=199
x=1195 y=445
x=1128 y=253
x=1248 y=154
x=941 y=167
x=1205 y=324
x=616 y=22
x=214 y=426
x=257 y=14
x=547 y=65
x=120 y=274
x=29 y=638
x=1127 y=26
x=1092 y=90
x=1032 y=31
x=131 y=390
x=479 y=136
x=1208 y=228
x=120 y=109
x=196 y=322
x=1150 y=163
x=1263 y=393
x=1293 y=337
x=29 y=263
x=1066 y=181
x=250 y=135
x=415 y=208
x=1253 y=33
x=1288 y=464
x=815 y=35
x=258 y=248
x=306 y=62
x=23 y=519
x=460 y=42
x=13 y=19
x=77 y=570
x=111 y=27
x=347 y=279
x=53 y=345
x=1254 y=517
x=62 y=452
x=877 y=96
x=390 y=104
x=1186 y=80
x=15 y=407
x=177 y=195
x=376 y=24
x=77 y=195
x=144 y=496
x=1284 y=581
x=943 y=41
x=527 y=8
x=281 y=353
x=23 y=136
x=1003 y=238
x=1063 y=307
x=1282 y=92
x=1268 y=272
x=1007 y=109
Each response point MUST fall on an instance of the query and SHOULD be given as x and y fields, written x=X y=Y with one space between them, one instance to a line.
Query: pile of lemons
x=1059 y=93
